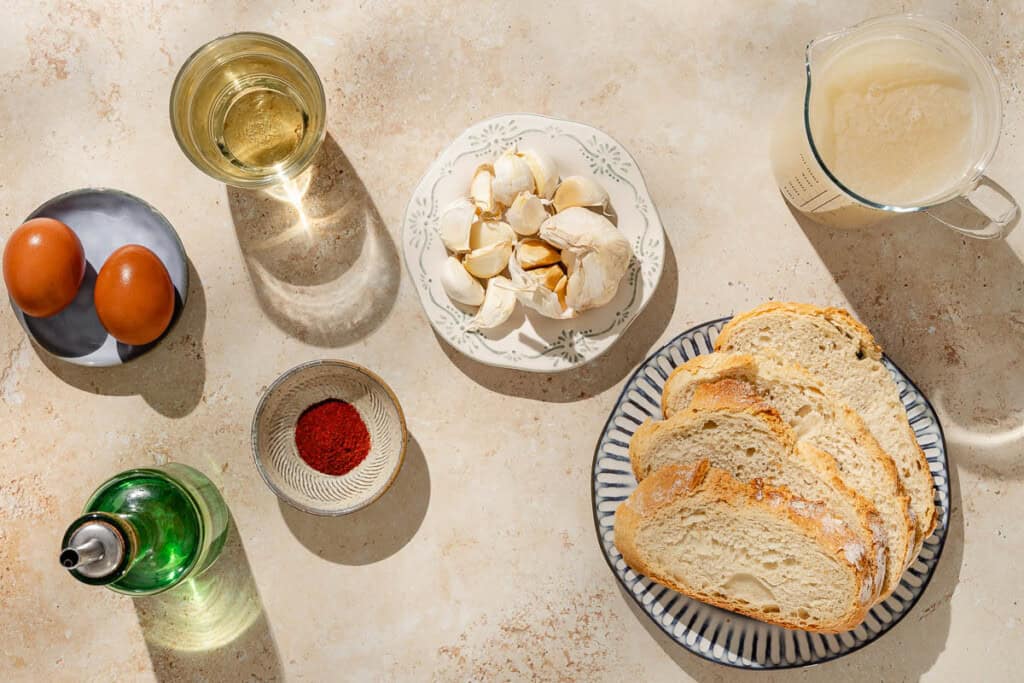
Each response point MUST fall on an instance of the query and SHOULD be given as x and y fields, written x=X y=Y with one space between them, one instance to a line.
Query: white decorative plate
x=529 y=341
x=712 y=633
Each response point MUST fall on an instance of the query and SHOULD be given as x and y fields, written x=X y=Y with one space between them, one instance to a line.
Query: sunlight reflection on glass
x=292 y=192
x=322 y=263
x=958 y=434
x=989 y=438
x=207 y=612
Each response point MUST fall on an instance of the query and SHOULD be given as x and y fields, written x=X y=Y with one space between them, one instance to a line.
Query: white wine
x=248 y=109
x=262 y=127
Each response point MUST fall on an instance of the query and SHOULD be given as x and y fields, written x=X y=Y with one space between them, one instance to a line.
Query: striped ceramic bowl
x=273 y=437
x=712 y=633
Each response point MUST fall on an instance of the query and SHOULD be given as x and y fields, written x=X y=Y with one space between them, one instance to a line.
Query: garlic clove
x=548 y=276
x=526 y=213
x=459 y=285
x=485 y=233
x=579 y=190
x=534 y=253
x=455 y=224
x=544 y=171
x=533 y=294
x=488 y=261
x=511 y=176
x=560 y=290
x=598 y=255
x=499 y=302
x=481 y=190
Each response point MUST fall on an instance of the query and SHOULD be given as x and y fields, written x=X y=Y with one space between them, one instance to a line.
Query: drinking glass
x=248 y=109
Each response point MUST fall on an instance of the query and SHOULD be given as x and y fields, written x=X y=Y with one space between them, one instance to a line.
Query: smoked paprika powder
x=331 y=437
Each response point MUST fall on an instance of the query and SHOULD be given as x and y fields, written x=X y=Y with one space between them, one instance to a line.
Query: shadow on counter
x=904 y=653
x=170 y=376
x=321 y=261
x=211 y=627
x=949 y=310
x=379 y=530
x=596 y=376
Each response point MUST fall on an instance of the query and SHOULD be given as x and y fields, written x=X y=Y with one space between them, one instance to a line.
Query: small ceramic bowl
x=277 y=457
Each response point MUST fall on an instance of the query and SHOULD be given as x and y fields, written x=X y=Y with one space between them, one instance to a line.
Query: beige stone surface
x=481 y=563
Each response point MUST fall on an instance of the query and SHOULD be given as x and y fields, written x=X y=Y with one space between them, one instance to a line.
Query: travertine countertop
x=482 y=562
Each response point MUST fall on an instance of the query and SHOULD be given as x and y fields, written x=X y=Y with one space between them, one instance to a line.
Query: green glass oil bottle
x=146 y=530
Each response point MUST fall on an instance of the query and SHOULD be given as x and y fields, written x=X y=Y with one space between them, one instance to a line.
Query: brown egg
x=43 y=266
x=134 y=295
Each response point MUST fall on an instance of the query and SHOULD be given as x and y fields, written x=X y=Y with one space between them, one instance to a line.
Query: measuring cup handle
x=958 y=214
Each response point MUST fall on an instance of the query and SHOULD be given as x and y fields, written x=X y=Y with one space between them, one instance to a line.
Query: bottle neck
x=99 y=548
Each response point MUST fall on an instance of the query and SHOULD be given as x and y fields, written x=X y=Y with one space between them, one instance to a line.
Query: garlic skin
x=530 y=290
x=499 y=302
x=577 y=190
x=481 y=189
x=488 y=261
x=511 y=176
x=526 y=214
x=596 y=254
x=455 y=224
x=485 y=233
x=544 y=170
x=459 y=285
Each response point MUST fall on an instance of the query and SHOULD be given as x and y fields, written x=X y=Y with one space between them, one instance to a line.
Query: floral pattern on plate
x=530 y=341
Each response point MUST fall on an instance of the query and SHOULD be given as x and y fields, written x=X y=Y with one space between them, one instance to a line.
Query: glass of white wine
x=248 y=109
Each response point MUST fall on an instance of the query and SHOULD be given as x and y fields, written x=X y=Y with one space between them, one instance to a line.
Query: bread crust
x=843 y=321
x=739 y=396
x=735 y=366
x=839 y=317
x=670 y=482
x=730 y=395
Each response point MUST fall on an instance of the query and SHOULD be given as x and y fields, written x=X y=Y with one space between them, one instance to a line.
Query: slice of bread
x=729 y=425
x=750 y=548
x=842 y=352
x=821 y=420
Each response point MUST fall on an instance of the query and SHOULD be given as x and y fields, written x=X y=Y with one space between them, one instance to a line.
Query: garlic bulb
x=499 y=302
x=511 y=176
x=481 y=190
x=459 y=285
x=526 y=214
x=595 y=252
x=488 y=261
x=534 y=253
x=544 y=170
x=486 y=233
x=577 y=190
x=530 y=290
x=455 y=224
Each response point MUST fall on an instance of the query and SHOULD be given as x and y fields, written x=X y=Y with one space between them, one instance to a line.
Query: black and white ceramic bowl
x=277 y=457
x=104 y=220
x=712 y=633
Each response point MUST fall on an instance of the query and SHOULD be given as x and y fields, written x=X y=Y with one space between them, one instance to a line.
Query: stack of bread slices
x=784 y=482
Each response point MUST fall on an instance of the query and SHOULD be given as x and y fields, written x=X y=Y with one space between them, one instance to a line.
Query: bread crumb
x=854 y=552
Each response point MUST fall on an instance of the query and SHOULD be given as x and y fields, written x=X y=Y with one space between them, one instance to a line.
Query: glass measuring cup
x=815 y=189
